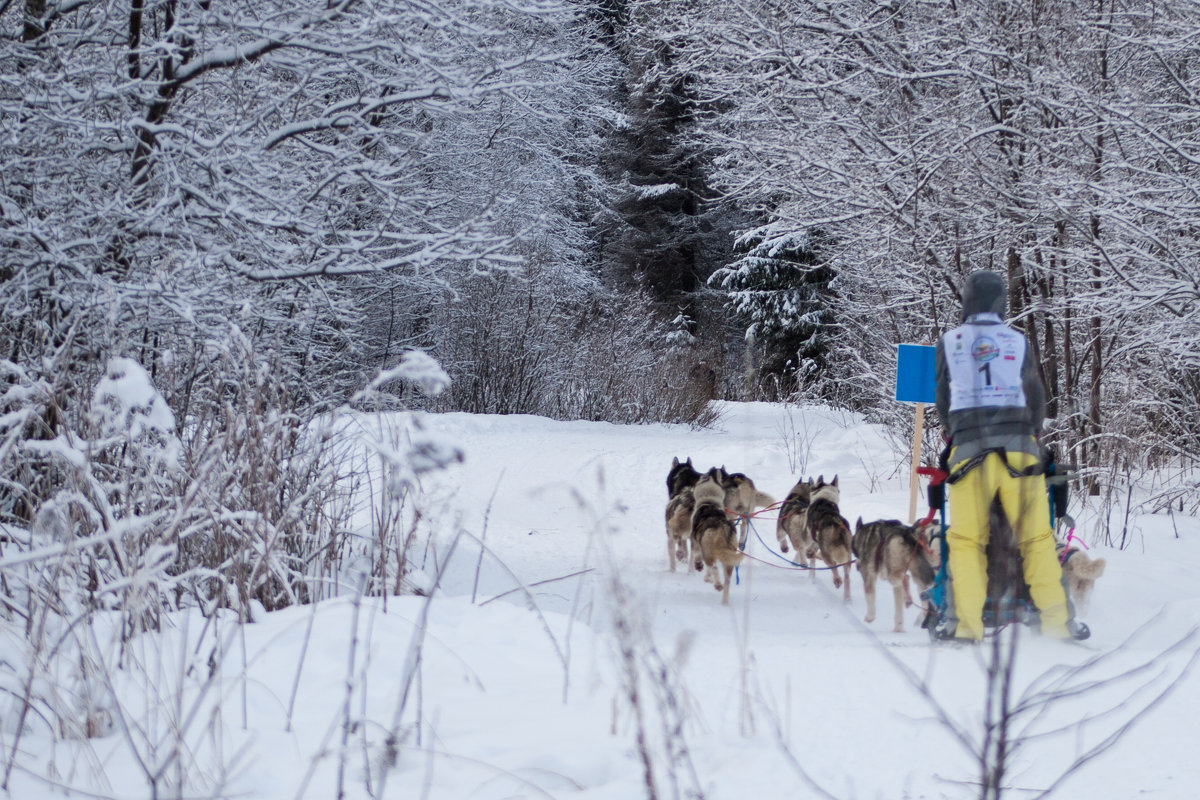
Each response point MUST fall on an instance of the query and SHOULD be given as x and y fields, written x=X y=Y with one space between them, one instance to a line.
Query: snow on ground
x=783 y=693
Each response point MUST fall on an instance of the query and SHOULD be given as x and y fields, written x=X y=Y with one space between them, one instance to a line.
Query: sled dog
x=681 y=476
x=1080 y=571
x=890 y=550
x=680 y=504
x=741 y=500
x=716 y=536
x=830 y=533
x=709 y=490
x=792 y=525
x=679 y=527
x=1006 y=579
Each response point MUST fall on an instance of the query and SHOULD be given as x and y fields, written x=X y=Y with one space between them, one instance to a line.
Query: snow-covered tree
x=1049 y=141
x=668 y=230
x=779 y=289
x=307 y=172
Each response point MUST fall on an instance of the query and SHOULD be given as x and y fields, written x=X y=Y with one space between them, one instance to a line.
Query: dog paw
x=869 y=618
x=783 y=547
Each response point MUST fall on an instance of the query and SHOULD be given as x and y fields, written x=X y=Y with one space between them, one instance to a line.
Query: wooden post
x=913 y=483
x=916 y=382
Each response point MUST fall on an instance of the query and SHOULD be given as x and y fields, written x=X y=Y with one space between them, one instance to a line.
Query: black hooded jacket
x=974 y=430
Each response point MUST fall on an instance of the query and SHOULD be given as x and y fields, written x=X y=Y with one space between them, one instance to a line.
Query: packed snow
x=513 y=677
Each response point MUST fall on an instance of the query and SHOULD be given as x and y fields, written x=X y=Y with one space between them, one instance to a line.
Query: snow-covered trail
x=519 y=688
x=787 y=652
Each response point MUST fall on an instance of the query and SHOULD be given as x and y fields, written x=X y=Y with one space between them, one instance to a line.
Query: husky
x=1006 y=579
x=1080 y=572
x=680 y=504
x=890 y=550
x=717 y=538
x=830 y=533
x=792 y=525
x=741 y=500
x=681 y=476
x=679 y=526
x=709 y=490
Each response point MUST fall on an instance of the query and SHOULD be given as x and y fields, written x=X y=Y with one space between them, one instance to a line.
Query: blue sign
x=916 y=373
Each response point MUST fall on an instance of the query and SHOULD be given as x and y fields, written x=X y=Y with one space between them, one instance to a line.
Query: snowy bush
x=247 y=505
x=533 y=345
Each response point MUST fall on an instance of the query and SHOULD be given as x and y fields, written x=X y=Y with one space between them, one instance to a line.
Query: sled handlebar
x=936 y=476
x=1061 y=477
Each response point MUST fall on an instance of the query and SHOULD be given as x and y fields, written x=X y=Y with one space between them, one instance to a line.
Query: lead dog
x=680 y=480
x=682 y=475
x=742 y=499
x=679 y=526
x=890 y=550
x=714 y=537
x=830 y=532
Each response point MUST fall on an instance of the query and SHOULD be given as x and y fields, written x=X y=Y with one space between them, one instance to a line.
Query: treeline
x=615 y=209
x=911 y=143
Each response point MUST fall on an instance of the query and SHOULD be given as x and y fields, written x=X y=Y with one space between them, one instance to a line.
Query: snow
x=126 y=404
x=652 y=191
x=417 y=368
x=60 y=446
x=521 y=693
x=126 y=400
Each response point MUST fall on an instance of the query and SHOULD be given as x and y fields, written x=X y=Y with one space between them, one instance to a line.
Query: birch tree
x=170 y=169
x=931 y=139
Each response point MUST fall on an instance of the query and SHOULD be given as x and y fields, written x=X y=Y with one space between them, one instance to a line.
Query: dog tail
x=762 y=499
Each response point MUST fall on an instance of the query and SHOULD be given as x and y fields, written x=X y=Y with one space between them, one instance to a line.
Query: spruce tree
x=665 y=234
x=779 y=289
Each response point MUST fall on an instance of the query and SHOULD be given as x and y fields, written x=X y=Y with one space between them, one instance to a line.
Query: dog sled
x=1007 y=599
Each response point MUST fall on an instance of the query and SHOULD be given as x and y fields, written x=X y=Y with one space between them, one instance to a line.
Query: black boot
x=945 y=633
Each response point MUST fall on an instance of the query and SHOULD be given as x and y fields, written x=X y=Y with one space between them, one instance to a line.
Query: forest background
x=595 y=210
x=227 y=227
x=223 y=221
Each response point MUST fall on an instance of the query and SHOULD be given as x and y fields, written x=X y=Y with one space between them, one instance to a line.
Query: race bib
x=984 y=362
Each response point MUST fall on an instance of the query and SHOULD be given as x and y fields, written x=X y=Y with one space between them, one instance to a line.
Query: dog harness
x=1065 y=551
x=801 y=505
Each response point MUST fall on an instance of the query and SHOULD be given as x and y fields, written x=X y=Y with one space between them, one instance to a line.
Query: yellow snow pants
x=1028 y=510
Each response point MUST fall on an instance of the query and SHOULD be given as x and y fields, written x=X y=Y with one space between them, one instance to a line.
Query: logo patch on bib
x=984 y=350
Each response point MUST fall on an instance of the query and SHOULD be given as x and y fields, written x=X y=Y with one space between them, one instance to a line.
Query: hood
x=982 y=292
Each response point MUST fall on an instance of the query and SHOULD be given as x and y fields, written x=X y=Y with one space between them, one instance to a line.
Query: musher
x=991 y=403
